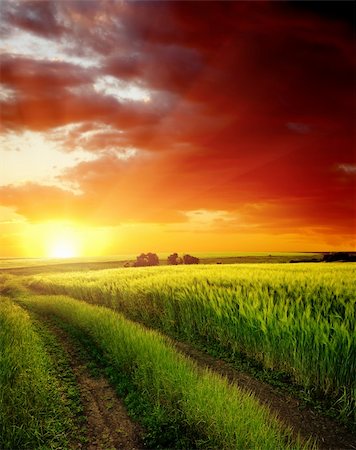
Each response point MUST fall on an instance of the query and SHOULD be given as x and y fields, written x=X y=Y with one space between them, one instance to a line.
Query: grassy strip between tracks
x=201 y=410
x=38 y=396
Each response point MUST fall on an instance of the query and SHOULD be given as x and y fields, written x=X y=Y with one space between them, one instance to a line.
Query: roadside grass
x=36 y=398
x=67 y=383
x=158 y=432
x=187 y=407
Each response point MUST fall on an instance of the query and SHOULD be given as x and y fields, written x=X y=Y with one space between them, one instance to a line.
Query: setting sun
x=63 y=249
x=67 y=240
x=62 y=241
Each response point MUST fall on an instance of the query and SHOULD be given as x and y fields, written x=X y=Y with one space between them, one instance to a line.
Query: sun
x=63 y=249
x=70 y=240
x=62 y=240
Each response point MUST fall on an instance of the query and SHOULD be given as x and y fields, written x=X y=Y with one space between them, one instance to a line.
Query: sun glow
x=63 y=249
x=62 y=241
x=69 y=240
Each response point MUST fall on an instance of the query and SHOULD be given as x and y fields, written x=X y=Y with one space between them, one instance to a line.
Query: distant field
x=36 y=265
x=31 y=262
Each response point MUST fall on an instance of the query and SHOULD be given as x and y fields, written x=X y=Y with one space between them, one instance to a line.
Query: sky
x=176 y=126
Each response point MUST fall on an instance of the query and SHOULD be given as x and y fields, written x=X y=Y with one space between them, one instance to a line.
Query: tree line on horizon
x=151 y=259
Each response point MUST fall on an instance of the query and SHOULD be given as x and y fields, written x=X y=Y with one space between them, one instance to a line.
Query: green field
x=294 y=323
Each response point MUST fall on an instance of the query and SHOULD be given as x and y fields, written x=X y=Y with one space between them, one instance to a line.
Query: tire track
x=328 y=434
x=108 y=424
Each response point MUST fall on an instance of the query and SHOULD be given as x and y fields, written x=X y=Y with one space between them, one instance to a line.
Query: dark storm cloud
x=36 y=78
x=172 y=68
x=335 y=10
x=38 y=17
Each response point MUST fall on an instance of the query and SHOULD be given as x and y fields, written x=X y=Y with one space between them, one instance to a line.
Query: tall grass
x=31 y=411
x=298 y=319
x=212 y=413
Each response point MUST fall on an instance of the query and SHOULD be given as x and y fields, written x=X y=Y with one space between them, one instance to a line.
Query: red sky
x=168 y=126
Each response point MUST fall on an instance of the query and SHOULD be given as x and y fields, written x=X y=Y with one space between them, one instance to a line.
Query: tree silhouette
x=339 y=256
x=174 y=259
x=188 y=259
x=152 y=259
x=146 y=259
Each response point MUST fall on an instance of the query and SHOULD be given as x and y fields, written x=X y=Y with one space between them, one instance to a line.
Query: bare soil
x=328 y=434
x=108 y=424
